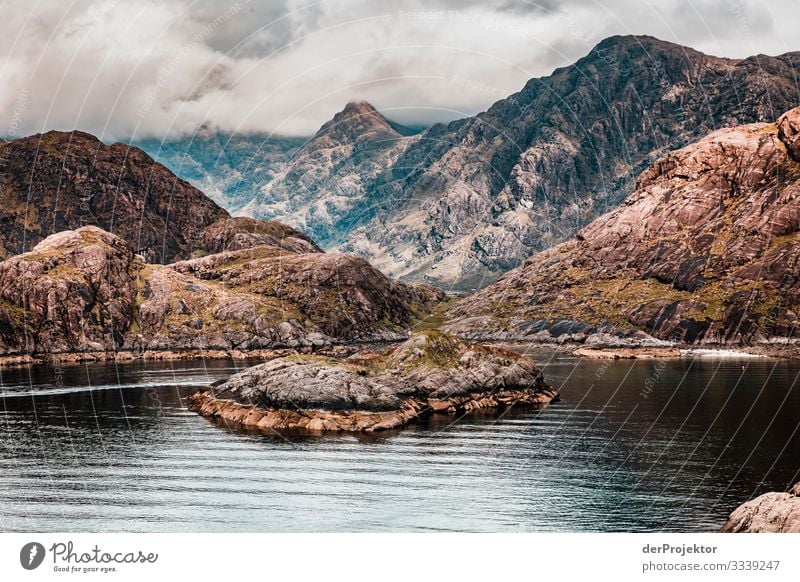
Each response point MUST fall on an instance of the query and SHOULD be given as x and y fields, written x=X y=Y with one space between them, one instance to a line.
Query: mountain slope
x=229 y=168
x=331 y=174
x=85 y=290
x=706 y=250
x=469 y=201
x=64 y=180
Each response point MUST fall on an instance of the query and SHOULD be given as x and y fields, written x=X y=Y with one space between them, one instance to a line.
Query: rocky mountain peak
x=359 y=107
x=356 y=122
x=628 y=42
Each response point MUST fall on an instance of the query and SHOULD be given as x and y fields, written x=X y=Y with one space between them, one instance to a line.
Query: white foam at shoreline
x=711 y=353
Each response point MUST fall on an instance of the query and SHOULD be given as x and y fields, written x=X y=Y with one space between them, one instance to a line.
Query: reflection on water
x=632 y=446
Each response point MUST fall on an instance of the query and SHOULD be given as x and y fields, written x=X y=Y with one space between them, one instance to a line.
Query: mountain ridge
x=460 y=203
x=706 y=250
x=58 y=181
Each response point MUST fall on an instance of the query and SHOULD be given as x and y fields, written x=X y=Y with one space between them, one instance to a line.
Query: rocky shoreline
x=338 y=350
x=60 y=358
x=431 y=373
x=773 y=512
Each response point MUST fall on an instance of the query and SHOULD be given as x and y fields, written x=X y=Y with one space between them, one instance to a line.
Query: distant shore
x=69 y=358
x=673 y=352
x=603 y=352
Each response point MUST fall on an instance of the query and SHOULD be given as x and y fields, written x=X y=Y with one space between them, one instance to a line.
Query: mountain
x=229 y=168
x=707 y=249
x=467 y=202
x=429 y=373
x=330 y=176
x=459 y=204
x=64 y=180
x=86 y=291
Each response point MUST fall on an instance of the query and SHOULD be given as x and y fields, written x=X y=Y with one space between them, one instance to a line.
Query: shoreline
x=70 y=358
x=601 y=352
x=320 y=420
x=620 y=352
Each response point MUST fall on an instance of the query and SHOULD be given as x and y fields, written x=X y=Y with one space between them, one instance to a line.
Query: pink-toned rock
x=705 y=250
x=771 y=513
x=789 y=132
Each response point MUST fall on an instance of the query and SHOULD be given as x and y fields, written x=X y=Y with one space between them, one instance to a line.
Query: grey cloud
x=156 y=67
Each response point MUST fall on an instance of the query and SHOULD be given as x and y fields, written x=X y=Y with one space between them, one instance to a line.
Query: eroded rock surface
x=705 y=250
x=429 y=373
x=86 y=291
x=771 y=513
x=60 y=181
x=324 y=188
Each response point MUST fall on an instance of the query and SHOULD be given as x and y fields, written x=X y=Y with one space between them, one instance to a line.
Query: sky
x=164 y=68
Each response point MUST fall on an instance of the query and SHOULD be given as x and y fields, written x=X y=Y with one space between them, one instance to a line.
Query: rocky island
x=773 y=512
x=429 y=373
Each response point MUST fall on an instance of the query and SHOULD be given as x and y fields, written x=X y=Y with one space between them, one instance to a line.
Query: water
x=128 y=456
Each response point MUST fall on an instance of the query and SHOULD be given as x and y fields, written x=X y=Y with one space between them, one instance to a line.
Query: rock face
x=460 y=204
x=61 y=181
x=341 y=295
x=235 y=234
x=771 y=513
x=705 y=250
x=229 y=168
x=327 y=179
x=429 y=373
x=74 y=290
x=86 y=291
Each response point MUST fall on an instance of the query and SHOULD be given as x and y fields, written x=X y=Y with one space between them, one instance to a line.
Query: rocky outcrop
x=769 y=513
x=235 y=234
x=429 y=373
x=706 y=250
x=64 y=180
x=86 y=291
x=343 y=296
x=74 y=291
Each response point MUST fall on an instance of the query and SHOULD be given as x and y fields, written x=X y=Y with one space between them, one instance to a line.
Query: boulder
x=772 y=512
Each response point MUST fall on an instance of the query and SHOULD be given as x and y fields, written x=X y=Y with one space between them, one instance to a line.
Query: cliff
x=705 y=250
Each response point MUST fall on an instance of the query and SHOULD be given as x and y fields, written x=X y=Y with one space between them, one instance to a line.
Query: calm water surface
x=632 y=446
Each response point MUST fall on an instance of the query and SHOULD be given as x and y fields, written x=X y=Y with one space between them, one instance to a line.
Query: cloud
x=164 y=67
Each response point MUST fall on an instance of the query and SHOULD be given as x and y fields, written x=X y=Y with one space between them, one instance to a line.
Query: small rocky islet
x=430 y=373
